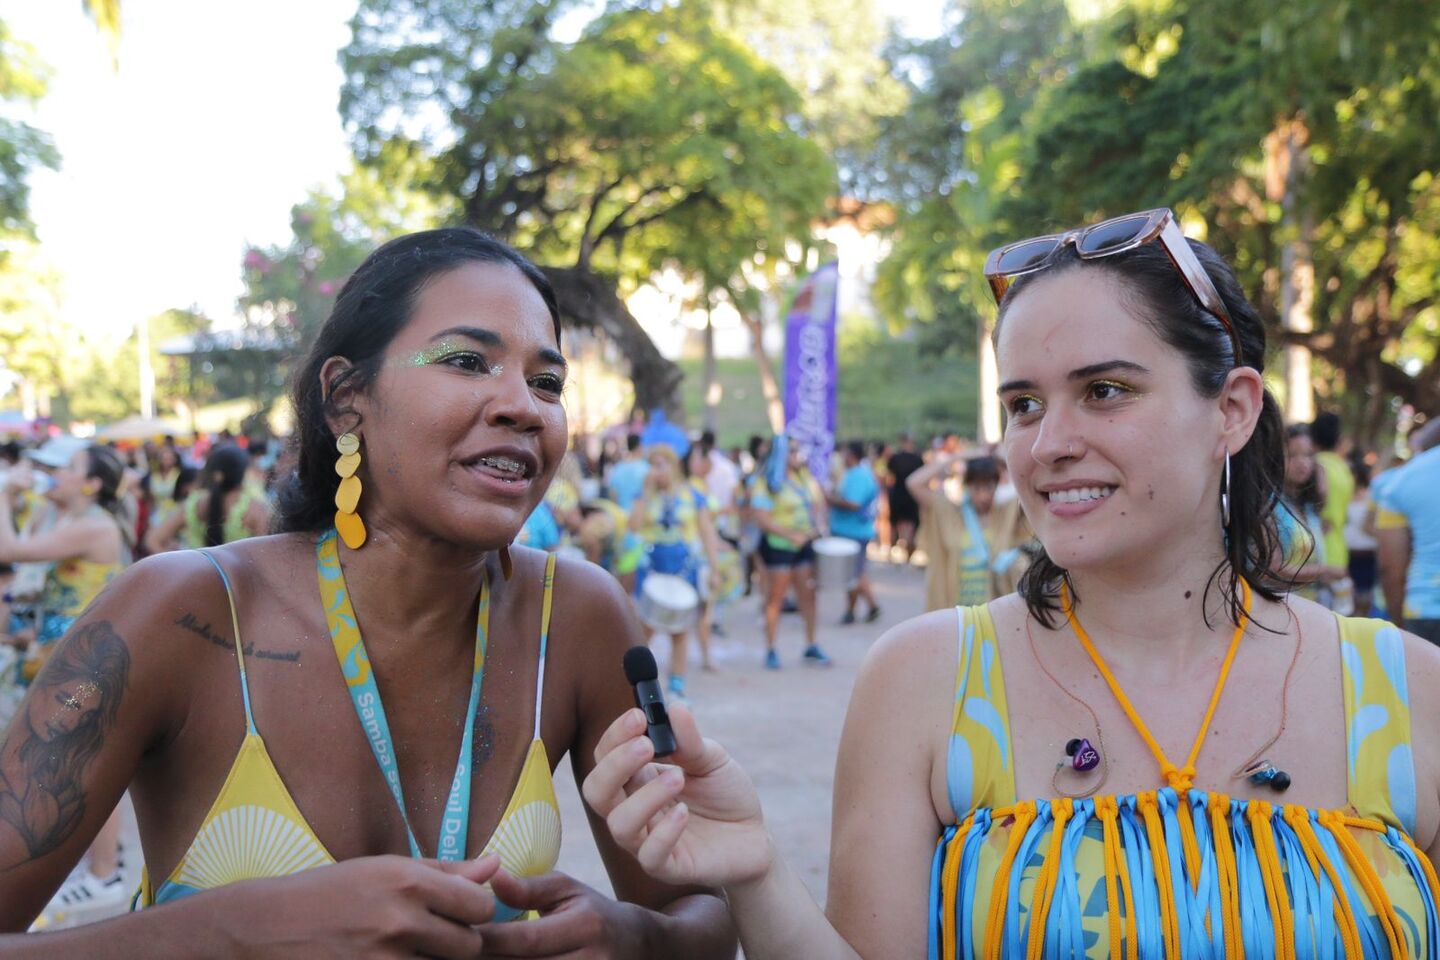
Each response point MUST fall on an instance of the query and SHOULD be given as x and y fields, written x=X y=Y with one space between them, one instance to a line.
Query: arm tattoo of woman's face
x=59 y=729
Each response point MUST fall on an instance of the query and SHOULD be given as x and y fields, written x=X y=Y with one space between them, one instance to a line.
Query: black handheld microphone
x=644 y=677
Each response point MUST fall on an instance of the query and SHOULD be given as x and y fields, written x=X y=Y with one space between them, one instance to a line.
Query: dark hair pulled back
x=1159 y=296
x=224 y=474
x=372 y=307
x=103 y=464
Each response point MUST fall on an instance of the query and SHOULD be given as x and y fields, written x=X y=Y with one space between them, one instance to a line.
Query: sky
x=219 y=118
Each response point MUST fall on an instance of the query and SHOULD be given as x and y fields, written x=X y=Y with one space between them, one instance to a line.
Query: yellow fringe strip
x=995 y=922
x=1228 y=875
x=1369 y=881
x=1148 y=806
x=1299 y=821
x=1044 y=892
x=950 y=888
x=1107 y=810
x=1266 y=852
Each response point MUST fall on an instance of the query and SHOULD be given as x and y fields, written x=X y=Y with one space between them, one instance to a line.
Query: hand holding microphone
x=695 y=819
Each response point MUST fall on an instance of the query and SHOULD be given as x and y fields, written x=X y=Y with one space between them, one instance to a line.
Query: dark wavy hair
x=1158 y=295
x=373 y=306
x=224 y=473
x=103 y=464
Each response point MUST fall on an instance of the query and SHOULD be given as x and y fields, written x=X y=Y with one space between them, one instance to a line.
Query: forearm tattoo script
x=57 y=732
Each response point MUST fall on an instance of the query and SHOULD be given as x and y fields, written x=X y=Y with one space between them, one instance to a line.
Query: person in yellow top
x=673 y=521
x=323 y=730
x=786 y=504
x=86 y=546
x=163 y=485
x=1150 y=750
x=1338 y=487
x=974 y=549
x=230 y=508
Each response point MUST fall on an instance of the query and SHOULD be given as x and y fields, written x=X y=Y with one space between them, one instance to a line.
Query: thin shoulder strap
x=545 y=605
x=980 y=769
x=1377 y=721
x=239 y=647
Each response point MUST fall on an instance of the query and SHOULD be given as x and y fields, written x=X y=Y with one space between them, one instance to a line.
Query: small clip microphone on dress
x=642 y=674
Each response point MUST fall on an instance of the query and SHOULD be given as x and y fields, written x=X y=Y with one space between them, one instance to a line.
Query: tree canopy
x=1288 y=134
x=657 y=139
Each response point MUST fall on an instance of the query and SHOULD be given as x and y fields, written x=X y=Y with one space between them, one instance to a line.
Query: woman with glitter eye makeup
x=1154 y=748
x=351 y=726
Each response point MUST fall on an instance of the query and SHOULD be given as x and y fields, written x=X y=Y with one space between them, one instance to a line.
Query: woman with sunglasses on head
x=334 y=723
x=1150 y=750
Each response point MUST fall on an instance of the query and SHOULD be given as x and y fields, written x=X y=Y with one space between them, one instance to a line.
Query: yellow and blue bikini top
x=254 y=828
x=1186 y=873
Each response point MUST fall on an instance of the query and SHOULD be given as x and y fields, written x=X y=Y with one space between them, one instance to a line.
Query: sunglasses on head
x=1105 y=239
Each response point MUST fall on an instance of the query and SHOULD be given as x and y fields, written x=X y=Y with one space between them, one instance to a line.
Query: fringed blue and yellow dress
x=1176 y=875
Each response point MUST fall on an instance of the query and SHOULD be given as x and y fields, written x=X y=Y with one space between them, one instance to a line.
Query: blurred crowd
x=73 y=514
x=706 y=525
x=689 y=528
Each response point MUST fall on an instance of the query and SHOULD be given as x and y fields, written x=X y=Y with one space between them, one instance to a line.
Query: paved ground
x=783 y=727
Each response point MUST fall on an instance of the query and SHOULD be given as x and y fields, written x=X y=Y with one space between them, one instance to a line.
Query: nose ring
x=1069 y=449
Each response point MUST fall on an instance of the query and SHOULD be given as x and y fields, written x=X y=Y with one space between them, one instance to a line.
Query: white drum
x=837 y=562
x=668 y=603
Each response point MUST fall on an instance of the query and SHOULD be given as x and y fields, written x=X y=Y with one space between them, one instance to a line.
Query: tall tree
x=952 y=159
x=291 y=287
x=1288 y=129
x=654 y=140
x=23 y=148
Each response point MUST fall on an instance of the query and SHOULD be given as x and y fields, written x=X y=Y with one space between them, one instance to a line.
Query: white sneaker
x=89 y=890
x=83 y=899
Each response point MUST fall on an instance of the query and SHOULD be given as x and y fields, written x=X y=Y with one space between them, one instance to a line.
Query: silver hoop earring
x=1225 y=496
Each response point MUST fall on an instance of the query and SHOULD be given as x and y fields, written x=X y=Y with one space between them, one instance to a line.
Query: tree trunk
x=1286 y=164
x=769 y=385
x=989 y=406
x=712 y=381
x=589 y=300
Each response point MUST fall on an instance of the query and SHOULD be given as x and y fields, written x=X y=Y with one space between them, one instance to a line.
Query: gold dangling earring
x=507 y=567
x=347 y=495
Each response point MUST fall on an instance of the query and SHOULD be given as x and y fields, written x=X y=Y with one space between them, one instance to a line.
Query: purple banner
x=810 y=369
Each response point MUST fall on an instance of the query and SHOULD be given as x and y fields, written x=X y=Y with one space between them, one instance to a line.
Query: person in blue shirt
x=852 y=516
x=541 y=531
x=627 y=478
x=1408 y=532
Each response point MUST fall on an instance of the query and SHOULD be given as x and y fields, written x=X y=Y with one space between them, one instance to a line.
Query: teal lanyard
x=365 y=695
x=977 y=557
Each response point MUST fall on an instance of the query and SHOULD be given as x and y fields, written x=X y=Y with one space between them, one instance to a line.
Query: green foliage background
x=717 y=138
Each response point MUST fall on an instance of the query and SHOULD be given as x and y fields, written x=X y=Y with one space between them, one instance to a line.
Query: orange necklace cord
x=1179 y=778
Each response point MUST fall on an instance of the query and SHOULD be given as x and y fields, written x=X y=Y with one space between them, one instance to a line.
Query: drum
x=837 y=561
x=668 y=603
